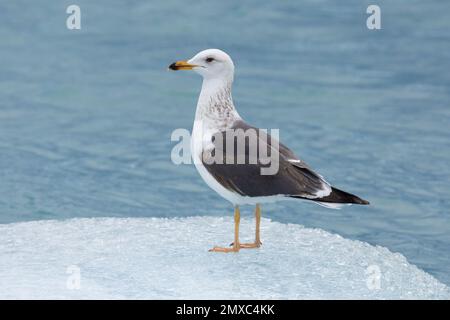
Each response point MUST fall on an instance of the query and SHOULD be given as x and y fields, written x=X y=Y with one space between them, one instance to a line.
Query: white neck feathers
x=215 y=103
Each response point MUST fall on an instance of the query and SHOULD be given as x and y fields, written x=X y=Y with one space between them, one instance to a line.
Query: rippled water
x=86 y=116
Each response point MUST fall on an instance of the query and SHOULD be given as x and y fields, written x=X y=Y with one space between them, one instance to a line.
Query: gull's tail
x=338 y=196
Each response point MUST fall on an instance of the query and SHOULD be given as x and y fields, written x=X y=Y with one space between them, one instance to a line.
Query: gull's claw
x=248 y=245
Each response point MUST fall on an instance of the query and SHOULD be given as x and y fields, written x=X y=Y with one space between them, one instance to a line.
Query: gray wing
x=294 y=177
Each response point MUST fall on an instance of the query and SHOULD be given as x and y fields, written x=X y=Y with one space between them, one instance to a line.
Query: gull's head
x=211 y=64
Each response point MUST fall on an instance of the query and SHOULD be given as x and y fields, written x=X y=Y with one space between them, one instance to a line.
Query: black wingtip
x=364 y=202
x=357 y=200
x=339 y=196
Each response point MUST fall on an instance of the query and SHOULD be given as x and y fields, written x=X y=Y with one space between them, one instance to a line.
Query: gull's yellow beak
x=182 y=65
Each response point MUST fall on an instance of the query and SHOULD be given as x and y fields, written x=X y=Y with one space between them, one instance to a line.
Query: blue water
x=86 y=116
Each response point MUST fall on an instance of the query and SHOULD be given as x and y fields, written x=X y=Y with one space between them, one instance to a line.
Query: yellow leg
x=236 y=246
x=257 y=242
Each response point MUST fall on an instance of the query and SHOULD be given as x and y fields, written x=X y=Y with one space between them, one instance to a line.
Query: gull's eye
x=209 y=59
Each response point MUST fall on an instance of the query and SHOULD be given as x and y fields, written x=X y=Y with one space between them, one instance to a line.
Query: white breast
x=201 y=138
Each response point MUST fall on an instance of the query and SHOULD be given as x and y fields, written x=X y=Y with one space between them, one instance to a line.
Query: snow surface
x=168 y=258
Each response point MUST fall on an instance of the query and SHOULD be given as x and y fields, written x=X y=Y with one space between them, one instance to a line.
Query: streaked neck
x=215 y=103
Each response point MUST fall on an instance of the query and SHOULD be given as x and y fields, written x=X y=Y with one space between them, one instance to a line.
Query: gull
x=245 y=183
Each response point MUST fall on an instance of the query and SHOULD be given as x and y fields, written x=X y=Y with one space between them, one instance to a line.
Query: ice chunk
x=168 y=258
